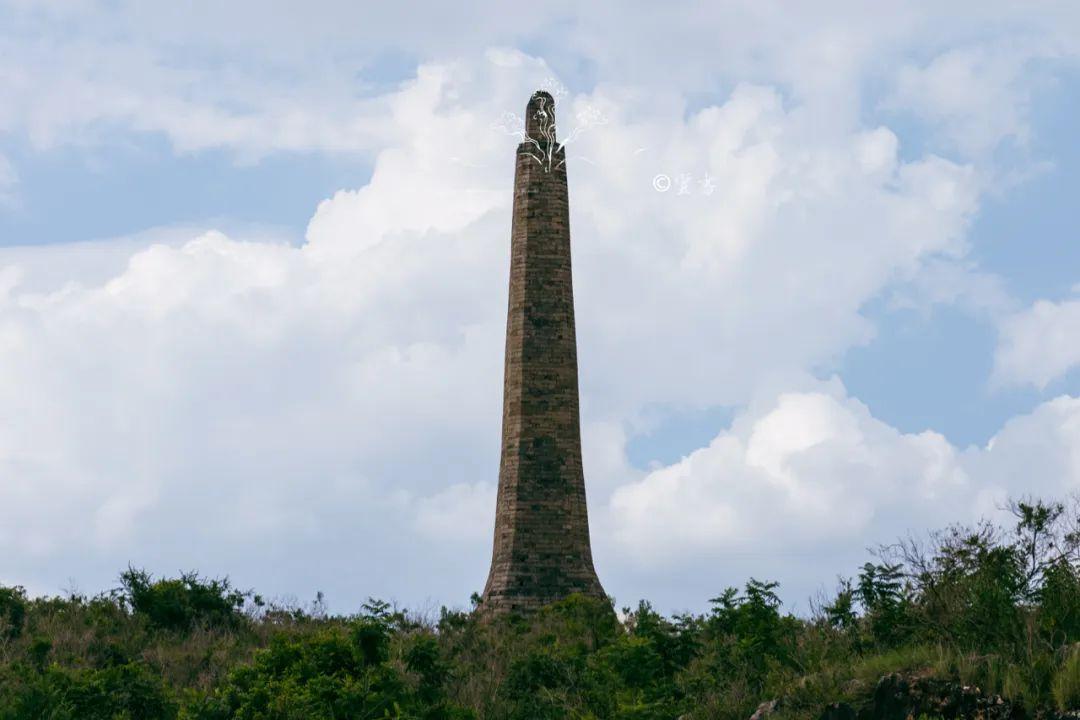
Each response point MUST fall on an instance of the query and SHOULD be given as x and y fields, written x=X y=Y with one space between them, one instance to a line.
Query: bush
x=331 y=675
x=125 y=691
x=985 y=606
x=185 y=602
x=1059 y=604
x=12 y=611
x=554 y=682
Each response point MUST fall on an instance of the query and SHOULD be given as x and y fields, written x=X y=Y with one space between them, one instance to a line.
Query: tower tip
x=540 y=116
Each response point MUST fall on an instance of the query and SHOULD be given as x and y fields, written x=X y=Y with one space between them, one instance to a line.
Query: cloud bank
x=325 y=414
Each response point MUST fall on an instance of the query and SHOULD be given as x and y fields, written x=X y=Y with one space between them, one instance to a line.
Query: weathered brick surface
x=541 y=550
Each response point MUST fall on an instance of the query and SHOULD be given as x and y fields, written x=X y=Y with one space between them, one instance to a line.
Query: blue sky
x=72 y=194
x=252 y=286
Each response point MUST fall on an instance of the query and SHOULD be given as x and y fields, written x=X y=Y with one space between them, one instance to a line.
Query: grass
x=1066 y=683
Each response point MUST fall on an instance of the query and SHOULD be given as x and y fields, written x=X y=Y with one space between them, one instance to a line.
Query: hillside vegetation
x=986 y=606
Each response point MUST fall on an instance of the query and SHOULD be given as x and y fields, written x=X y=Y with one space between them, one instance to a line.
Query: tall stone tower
x=542 y=550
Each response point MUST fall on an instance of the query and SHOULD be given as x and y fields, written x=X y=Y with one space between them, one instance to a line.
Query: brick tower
x=541 y=551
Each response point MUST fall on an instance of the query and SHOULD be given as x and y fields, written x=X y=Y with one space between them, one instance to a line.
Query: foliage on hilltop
x=987 y=606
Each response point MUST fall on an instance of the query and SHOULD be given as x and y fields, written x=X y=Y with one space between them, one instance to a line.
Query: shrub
x=184 y=602
x=333 y=674
x=1066 y=684
x=986 y=607
x=12 y=611
x=1059 y=604
x=125 y=691
x=554 y=683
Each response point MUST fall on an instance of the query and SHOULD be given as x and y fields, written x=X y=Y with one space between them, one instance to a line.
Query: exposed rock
x=765 y=709
x=906 y=697
x=898 y=697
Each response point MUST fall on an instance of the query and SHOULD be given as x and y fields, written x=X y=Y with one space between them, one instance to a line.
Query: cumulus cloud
x=796 y=236
x=209 y=397
x=301 y=79
x=812 y=471
x=248 y=406
x=1040 y=344
x=975 y=96
x=808 y=467
x=263 y=388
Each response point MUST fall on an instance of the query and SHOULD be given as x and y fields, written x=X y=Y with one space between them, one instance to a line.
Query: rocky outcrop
x=908 y=697
x=898 y=697
x=765 y=710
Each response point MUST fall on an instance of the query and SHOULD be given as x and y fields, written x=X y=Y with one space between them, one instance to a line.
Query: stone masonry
x=541 y=550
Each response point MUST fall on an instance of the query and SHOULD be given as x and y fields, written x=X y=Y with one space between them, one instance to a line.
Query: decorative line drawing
x=545 y=148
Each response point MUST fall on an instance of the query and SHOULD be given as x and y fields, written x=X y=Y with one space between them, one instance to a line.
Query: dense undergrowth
x=996 y=607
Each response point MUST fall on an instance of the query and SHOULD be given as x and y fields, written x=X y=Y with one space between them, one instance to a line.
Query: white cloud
x=312 y=78
x=245 y=407
x=802 y=229
x=1040 y=344
x=975 y=96
x=458 y=513
x=813 y=471
x=273 y=391
x=804 y=468
x=347 y=390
